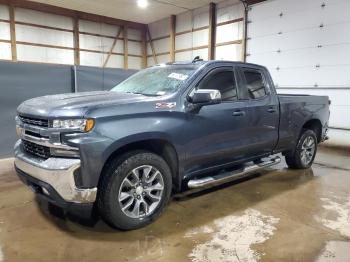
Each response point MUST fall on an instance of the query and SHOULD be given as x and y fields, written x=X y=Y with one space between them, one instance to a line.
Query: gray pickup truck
x=166 y=129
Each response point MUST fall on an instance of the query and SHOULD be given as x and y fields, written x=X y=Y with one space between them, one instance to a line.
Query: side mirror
x=203 y=97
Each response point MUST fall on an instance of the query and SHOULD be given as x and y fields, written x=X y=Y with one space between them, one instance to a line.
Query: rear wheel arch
x=314 y=125
x=306 y=147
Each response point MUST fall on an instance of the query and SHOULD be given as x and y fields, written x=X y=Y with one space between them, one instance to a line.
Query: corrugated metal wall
x=227 y=33
x=196 y=19
x=49 y=38
x=192 y=34
x=306 y=47
x=5 y=45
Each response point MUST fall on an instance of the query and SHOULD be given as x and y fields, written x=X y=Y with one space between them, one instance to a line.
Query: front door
x=217 y=134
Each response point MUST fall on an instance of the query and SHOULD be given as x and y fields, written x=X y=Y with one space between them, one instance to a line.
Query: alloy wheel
x=308 y=149
x=141 y=191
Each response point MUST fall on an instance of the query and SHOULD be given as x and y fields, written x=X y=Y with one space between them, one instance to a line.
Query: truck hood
x=76 y=104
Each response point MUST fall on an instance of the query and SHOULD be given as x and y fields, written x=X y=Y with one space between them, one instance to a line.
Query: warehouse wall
x=192 y=34
x=49 y=38
x=306 y=47
x=100 y=37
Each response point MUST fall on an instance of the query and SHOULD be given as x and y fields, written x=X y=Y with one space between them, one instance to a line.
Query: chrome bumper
x=57 y=172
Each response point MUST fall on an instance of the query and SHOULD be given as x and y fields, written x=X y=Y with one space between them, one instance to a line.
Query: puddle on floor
x=233 y=237
x=337 y=214
x=335 y=251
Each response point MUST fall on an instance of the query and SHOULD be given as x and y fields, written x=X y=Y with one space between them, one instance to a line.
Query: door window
x=255 y=84
x=222 y=80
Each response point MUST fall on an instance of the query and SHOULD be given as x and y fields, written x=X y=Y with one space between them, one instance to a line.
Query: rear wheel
x=135 y=190
x=304 y=154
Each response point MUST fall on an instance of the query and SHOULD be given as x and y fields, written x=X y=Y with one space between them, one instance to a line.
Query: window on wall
x=222 y=80
x=255 y=84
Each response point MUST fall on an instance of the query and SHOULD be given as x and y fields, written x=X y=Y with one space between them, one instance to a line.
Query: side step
x=226 y=177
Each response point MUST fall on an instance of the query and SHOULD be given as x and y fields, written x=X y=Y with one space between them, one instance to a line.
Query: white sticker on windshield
x=178 y=76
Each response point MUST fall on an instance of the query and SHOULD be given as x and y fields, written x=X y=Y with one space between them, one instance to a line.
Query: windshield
x=156 y=81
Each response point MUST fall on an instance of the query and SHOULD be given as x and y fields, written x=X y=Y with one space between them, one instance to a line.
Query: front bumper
x=53 y=177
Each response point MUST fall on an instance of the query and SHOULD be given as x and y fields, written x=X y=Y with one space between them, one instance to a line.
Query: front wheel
x=304 y=154
x=135 y=190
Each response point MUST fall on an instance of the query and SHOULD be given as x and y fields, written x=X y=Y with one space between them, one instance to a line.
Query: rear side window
x=255 y=84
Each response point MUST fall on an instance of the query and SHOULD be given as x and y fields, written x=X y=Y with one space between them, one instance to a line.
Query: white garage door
x=306 y=46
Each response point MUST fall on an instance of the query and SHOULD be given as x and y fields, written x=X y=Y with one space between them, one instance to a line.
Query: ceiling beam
x=71 y=13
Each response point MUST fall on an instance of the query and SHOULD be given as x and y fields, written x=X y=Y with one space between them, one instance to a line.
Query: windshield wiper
x=139 y=93
x=151 y=95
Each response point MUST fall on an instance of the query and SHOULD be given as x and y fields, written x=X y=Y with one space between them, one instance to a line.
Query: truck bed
x=302 y=99
x=294 y=109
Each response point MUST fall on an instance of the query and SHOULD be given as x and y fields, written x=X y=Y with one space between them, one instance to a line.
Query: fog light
x=64 y=152
x=19 y=130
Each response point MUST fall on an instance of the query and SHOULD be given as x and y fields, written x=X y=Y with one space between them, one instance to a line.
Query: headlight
x=84 y=125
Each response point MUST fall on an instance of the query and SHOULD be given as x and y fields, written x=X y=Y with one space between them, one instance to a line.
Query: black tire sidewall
x=116 y=216
x=299 y=162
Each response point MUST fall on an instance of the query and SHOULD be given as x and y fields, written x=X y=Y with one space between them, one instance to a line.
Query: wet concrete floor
x=277 y=215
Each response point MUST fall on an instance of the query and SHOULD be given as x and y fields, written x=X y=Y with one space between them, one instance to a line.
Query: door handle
x=238 y=113
x=271 y=110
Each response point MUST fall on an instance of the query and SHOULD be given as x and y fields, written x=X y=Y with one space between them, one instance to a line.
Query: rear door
x=262 y=111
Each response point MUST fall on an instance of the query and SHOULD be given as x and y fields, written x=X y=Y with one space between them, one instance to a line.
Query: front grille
x=34 y=121
x=35 y=149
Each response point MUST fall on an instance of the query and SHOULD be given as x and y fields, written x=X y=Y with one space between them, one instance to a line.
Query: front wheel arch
x=162 y=147
x=111 y=181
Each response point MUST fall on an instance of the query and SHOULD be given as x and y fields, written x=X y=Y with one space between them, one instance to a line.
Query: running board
x=227 y=177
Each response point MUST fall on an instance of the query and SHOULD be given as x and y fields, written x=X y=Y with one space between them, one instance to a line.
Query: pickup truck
x=167 y=129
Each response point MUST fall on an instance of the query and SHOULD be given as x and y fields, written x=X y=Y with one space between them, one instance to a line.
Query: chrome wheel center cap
x=139 y=190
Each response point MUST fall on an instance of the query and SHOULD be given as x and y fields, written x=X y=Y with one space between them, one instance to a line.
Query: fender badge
x=165 y=105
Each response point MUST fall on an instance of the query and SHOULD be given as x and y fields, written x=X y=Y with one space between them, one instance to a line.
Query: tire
x=304 y=154
x=128 y=179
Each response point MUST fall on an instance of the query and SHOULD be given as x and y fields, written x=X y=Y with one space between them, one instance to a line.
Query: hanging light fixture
x=142 y=3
